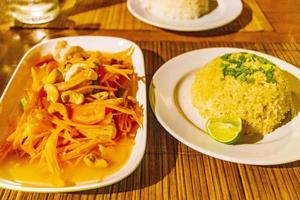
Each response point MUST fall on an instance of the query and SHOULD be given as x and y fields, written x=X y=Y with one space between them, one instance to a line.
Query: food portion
x=247 y=86
x=80 y=118
x=225 y=129
x=179 y=9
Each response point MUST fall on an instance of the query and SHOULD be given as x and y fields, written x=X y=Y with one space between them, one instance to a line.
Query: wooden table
x=171 y=170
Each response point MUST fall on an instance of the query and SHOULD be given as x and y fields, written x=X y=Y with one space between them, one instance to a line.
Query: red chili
x=108 y=110
x=101 y=71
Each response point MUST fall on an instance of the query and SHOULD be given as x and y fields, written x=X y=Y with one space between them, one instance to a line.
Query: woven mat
x=113 y=14
x=171 y=170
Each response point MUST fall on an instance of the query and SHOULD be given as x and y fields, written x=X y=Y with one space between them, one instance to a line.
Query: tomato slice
x=89 y=113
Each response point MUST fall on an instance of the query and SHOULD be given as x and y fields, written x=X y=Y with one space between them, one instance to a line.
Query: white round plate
x=100 y=43
x=170 y=100
x=223 y=14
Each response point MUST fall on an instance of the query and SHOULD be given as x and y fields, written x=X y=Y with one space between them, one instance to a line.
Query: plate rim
x=185 y=29
x=7 y=184
x=154 y=93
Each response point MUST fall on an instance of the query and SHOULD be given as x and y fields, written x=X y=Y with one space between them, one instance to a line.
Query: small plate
x=9 y=105
x=170 y=100
x=223 y=14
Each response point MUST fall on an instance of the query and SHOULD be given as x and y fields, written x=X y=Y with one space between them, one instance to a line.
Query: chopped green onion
x=226 y=56
x=233 y=65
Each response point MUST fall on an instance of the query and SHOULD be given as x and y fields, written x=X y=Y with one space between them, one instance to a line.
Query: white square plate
x=10 y=106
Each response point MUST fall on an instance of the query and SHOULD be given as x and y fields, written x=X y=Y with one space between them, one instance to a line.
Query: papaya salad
x=80 y=104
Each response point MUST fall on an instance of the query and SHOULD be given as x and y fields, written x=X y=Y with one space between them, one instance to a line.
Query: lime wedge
x=225 y=129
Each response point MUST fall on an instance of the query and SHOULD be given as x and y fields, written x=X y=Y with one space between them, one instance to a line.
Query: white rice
x=177 y=9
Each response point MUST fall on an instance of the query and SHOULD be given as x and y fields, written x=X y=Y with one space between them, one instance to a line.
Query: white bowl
x=9 y=105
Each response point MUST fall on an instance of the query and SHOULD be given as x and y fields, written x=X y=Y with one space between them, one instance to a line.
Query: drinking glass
x=34 y=11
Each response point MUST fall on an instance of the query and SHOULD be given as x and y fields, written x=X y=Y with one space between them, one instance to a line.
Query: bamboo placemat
x=113 y=14
x=171 y=170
